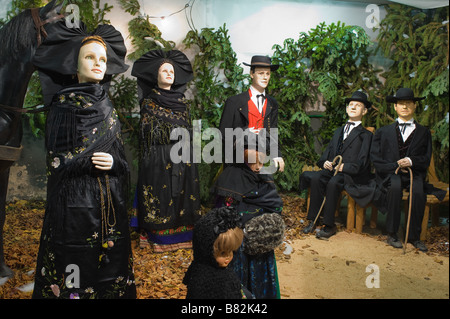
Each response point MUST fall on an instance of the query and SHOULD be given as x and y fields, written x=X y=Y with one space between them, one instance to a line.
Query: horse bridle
x=39 y=24
x=40 y=32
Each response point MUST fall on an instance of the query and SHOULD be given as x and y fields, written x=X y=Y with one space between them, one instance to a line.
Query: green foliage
x=17 y=6
x=417 y=43
x=130 y=6
x=91 y=13
x=145 y=36
x=324 y=65
x=34 y=98
x=216 y=73
x=124 y=96
x=216 y=77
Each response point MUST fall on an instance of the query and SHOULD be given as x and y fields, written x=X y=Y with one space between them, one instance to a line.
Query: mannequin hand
x=102 y=161
x=404 y=162
x=328 y=165
x=279 y=161
x=253 y=130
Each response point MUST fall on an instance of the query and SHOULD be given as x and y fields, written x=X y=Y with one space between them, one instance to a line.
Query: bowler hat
x=403 y=94
x=360 y=97
x=262 y=61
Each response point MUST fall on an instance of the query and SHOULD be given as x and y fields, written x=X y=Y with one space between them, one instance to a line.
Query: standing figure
x=351 y=141
x=254 y=109
x=404 y=143
x=168 y=191
x=247 y=188
x=85 y=248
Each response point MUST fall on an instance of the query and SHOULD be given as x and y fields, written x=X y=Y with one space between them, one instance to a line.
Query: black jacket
x=355 y=152
x=235 y=114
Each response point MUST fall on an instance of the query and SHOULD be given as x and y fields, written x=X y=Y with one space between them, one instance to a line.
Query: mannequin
x=168 y=193
x=86 y=223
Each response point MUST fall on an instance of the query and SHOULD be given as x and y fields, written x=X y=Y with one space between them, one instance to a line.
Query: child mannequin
x=216 y=236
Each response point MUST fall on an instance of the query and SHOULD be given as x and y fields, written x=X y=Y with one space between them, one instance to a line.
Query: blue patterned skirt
x=258 y=273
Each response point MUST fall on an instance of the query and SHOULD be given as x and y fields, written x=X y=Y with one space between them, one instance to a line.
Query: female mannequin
x=85 y=249
x=168 y=195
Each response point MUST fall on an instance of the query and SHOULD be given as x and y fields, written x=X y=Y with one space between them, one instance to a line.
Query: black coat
x=355 y=153
x=385 y=151
x=235 y=114
x=385 y=154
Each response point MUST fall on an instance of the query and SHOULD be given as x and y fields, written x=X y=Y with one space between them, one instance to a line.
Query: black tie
x=404 y=126
x=347 y=127
x=260 y=98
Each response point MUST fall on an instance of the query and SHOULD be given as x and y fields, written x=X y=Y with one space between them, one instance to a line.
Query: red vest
x=255 y=119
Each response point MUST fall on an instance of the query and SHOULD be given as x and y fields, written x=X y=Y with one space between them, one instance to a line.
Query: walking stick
x=336 y=169
x=409 y=208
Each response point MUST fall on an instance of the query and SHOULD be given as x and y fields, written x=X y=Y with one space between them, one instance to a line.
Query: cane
x=336 y=169
x=409 y=208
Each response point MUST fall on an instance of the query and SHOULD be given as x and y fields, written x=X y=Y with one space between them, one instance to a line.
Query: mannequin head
x=405 y=109
x=260 y=77
x=254 y=159
x=356 y=110
x=92 y=60
x=225 y=244
x=166 y=76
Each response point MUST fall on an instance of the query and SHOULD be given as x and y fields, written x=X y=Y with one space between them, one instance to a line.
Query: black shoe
x=308 y=228
x=394 y=241
x=327 y=232
x=420 y=245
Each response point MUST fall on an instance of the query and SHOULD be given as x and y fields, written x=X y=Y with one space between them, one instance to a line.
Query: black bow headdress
x=57 y=57
x=146 y=69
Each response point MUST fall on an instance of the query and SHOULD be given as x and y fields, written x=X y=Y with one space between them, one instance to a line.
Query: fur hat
x=263 y=233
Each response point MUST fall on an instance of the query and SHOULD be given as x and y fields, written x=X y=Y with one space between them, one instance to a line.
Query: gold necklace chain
x=106 y=217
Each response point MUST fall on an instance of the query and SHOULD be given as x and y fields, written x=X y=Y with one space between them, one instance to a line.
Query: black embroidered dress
x=85 y=235
x=168 y=193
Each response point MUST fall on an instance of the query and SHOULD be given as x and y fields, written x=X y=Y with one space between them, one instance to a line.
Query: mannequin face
x=260 y=78
x=91 y=63
x=166 y=76
x=356 y=110
x=405 y=109
x=254 y=159
x=223 y=261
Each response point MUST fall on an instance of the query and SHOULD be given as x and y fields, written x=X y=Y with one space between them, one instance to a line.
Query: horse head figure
x=19 y=40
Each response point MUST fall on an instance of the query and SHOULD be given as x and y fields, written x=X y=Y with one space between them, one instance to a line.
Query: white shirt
x=408 y=129
x=351 y=128
x=254 y=98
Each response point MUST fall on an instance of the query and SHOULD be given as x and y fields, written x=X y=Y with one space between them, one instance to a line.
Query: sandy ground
x=336 y=269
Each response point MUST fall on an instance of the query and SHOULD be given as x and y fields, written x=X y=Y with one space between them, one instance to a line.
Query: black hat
x=360 y=97
x=208 y=228
x=147 y=66
x=57 y=57
x=403 y=94
x=262 y=61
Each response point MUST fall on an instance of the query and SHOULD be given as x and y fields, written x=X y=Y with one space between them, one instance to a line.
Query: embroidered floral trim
x=151 y=203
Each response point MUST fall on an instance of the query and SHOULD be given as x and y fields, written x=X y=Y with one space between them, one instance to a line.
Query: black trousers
x=394 y=204
x=324 y=184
